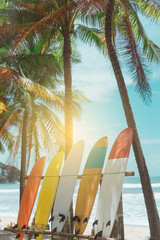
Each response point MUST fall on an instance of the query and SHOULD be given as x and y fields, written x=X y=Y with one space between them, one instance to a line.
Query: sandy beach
x=131 y=232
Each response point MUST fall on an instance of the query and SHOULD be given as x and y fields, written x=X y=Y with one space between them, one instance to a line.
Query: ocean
x=133 y=203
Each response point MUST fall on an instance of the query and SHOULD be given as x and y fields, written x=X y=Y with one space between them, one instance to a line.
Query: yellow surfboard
x=48 y=192
x=89 y=184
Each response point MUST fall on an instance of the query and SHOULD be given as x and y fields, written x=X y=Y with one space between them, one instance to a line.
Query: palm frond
x=90 y=7
x=8 y=75
x=150 y=49
x=6 y=141
x=16 y=143
x=42 y=7
x=77 y=98
x=137 y=64
x=150 y=8
x=3 y=107
x=53 y=125
x=56 y=16
x=45 y=137
x=91 y=35
x=8 y=118
x=36 y=144
x=27 y=62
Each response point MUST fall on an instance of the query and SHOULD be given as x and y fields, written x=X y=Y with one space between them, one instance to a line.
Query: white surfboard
x=66 y=186
x=112 y=182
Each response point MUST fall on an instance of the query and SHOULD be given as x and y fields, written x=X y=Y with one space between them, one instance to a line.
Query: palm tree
x=38 y=126
x=144 y=89
x=56 y=20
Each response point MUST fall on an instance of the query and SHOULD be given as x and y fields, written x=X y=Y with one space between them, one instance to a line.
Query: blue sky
x=105 y=115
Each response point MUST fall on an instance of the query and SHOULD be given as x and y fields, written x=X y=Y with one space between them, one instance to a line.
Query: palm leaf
x=41 y=62
x=91 y=35
x=77 y=98
x=138 y=68
x=56 y=16
x=150 y=8
x=36 y=144
x=150 y=49
x=3 y=107
x=53 y=125
x=91 y=6
x=41 y=7
x=16 y=143
x=8 y=75
x=8 y=118
x=6 y=140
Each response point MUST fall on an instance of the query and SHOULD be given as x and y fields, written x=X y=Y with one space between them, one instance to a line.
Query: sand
x=131 y=232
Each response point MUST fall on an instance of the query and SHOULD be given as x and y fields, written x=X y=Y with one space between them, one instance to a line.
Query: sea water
x=133 y=202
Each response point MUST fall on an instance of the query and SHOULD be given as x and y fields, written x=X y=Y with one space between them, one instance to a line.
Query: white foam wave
x=9 y=190
x=138 y=185
x=131 y=185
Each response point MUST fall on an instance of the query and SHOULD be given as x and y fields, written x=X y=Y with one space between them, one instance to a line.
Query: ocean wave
x=9 y=190
x=138 y=196
x=138 y=185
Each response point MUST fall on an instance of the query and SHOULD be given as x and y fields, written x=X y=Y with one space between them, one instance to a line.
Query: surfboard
x=66 y=186
x=47 y=193
x=29 y=195
x=89 y=184
x=112 y=182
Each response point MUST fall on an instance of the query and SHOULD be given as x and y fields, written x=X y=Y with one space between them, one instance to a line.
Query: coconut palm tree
x=56 y=20
x=38 y=126
x=37 y=54
x=143 y=86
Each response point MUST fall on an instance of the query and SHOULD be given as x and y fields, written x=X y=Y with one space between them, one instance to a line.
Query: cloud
x=94 y=76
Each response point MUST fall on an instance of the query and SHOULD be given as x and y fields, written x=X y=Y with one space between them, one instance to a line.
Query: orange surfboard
x=29 y=195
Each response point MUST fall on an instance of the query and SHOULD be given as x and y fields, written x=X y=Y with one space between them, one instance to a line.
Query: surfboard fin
x=54 y=230
x=76 y=218
x=77 y=232
x=95 y=222
x=85 y=220
x=36 y=235
x=51 y=219
x=16 y=226
x=18 y=236
x=108 y=223
x=62 y=217
x=24 y=226
x=99 y=234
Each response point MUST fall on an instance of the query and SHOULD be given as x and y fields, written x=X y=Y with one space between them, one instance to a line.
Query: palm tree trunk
x=68 y=108
x=23 y=155
x=68 y=93
x=152 y=212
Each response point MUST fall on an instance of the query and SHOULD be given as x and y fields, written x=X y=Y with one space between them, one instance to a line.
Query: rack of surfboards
x=59 y=183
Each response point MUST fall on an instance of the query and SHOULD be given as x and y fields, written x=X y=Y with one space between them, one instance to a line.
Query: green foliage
x=90 y=36
x=150 y=8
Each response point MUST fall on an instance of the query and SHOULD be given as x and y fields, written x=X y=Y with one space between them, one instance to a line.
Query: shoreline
x=132 y=232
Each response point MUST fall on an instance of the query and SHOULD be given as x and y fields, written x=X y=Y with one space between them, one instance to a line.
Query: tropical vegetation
x=115 y=20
